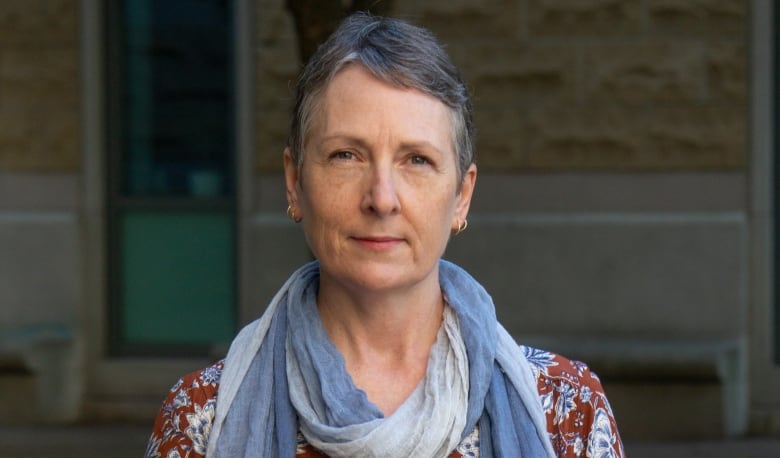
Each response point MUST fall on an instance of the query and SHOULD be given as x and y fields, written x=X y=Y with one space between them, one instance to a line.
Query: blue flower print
x=585 y=394
x=200 y=426
x=153 y=448
x=469 y=447
x=601 y=440
x=579 y=446
x=181 y=400
x=547 y=402
x=565 y=402
x=540 y=360
x=177 y=385
x=211 y=375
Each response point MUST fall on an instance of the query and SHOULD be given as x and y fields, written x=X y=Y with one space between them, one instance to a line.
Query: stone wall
x=557 y=85
x=39 y=86
x=621 y=85
x=593 y=91
x=276 y=66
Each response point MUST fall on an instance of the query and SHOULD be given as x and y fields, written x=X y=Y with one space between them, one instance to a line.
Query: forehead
x=357 y=99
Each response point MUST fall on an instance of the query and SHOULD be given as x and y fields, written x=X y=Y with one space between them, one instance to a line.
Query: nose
x=381 y=195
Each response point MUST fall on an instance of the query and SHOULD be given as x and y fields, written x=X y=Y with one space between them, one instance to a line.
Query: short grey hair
x=394 y=51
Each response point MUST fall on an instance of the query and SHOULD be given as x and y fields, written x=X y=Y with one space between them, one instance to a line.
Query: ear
x=466 y=191
x=291 y=178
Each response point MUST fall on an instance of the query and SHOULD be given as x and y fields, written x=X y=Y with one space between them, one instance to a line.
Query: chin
x=379 y=278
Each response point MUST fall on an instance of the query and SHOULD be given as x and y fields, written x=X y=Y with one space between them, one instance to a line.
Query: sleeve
x=580 y=420
x=183 y=423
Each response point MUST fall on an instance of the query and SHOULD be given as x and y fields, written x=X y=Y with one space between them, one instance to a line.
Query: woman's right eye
x=343 y=155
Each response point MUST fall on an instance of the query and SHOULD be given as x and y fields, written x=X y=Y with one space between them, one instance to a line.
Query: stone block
x=686 y=137
x=17 y=390
x=726 y=67
x=276 y=68
x=276 y=249
x=277 y=61
x=607 y=192
x=268 y=194
x=274 y=24
x=643 y=410
x=39 y=107
x=583 y=17
x=50 y=352
x=501 y=138
x=276 y=72
x=40 y=192
x=701 y=17
x=615 y=275
x=40 y=269
x=270 y=139
x=698 y=136
x=276 y=41
x=461 y=21
x=637 y=72
x=28 y=143
x=507 y=73
x=275 y=92
x=35 y=22
x=39 y=78
x=583 y=137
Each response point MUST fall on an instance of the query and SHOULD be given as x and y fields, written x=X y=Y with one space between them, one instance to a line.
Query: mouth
x=378 y=243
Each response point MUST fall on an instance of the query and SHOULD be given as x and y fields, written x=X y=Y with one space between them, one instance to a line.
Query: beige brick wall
x=39 y=86
x=632 y=85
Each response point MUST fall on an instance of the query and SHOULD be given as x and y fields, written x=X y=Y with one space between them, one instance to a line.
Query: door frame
x=765 y=372
x=144 y=380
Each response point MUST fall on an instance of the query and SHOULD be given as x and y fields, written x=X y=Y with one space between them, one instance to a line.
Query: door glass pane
x=177 y=98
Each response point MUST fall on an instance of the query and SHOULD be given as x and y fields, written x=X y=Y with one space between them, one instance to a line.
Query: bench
x=48 y=351
x=669 y=360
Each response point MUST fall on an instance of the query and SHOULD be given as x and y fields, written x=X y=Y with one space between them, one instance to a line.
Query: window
x=172 y=182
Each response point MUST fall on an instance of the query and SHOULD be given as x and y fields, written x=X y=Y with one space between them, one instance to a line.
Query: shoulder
x=184 y=420
x=579 y=417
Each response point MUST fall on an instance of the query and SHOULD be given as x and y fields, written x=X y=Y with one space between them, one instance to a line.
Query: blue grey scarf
x=282 y=374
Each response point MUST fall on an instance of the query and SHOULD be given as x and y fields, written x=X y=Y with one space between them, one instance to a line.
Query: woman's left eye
x=419 y=160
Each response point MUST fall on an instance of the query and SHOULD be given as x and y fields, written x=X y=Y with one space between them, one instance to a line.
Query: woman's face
x=378 y=190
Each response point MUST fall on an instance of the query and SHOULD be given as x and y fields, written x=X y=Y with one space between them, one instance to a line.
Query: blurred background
x=624 y=210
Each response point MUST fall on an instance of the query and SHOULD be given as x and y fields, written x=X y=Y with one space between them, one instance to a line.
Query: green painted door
x=171 y=189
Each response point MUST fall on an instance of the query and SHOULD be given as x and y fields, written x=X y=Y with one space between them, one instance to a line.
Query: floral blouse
x=579 y=419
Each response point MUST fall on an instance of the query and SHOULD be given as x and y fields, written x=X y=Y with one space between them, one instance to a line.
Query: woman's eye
x=344 y=155
x=420 y=160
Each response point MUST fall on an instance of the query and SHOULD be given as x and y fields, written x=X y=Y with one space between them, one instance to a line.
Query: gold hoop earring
x=462 y=226
x=291 y=214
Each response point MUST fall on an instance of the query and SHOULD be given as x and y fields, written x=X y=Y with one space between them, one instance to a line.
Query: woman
x=380 y=348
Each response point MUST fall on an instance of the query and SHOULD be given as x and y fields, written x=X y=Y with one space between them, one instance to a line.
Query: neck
x=385 y=339
x=392 y=323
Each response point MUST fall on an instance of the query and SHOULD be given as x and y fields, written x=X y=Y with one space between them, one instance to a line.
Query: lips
x=378 y=243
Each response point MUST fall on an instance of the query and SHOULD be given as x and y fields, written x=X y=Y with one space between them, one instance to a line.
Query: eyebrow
x=407 y=145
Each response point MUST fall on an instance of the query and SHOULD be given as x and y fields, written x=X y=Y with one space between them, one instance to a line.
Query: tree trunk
x=315 y=20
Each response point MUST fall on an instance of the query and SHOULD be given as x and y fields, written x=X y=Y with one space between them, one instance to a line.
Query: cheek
x=326 y=203
x=437 y=217
x=317 y=193
x=324 y=213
